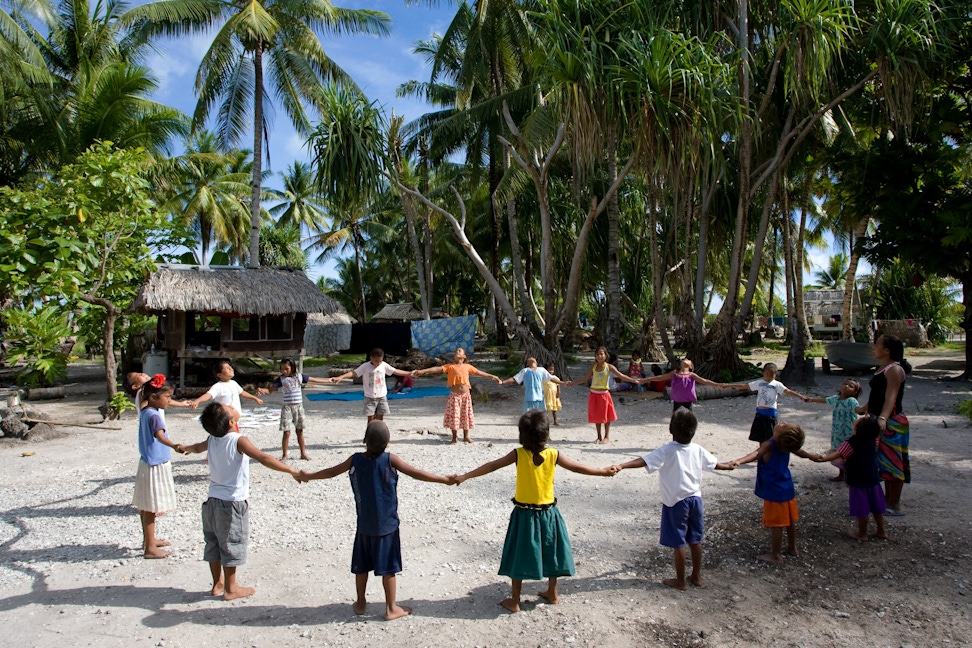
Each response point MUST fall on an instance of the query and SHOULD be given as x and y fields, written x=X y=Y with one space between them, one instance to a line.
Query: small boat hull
x=851 y=356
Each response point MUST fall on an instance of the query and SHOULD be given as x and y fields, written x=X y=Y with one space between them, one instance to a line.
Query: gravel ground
x=71 y=572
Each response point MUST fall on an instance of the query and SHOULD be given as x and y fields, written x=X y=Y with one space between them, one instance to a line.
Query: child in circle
x=532 y=377
x=866 y=498
x=459 y=409
x=600 y=406
x=844 y=405
x=226 y=391
x=768 y=392
x=680 y=465
x=372 y=374
x=551 y=393
x=683 y=384
x=154 y=486
x=377 y=546
x=537 y=545
x=226 y=511
x=292 y=411
x=774 y=485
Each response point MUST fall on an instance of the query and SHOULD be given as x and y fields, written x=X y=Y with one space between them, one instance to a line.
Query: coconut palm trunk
x=850 y=281
x=257 y=155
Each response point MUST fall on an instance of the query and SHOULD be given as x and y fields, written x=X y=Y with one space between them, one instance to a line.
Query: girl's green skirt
x=537 y=546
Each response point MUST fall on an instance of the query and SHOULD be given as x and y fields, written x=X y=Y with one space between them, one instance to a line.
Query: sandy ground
x=71 y=572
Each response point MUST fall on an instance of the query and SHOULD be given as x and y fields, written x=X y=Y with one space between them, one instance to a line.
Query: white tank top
x=229 y=469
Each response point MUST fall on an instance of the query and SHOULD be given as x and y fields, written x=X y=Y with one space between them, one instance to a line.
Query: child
x=154 y=486
x=844 y=403
x=132 y=385
x=459 y=409
x=863 y=477
x=292 y=411
x=537 y=545
x=680 y=465
x=600 y=407
x=768 y=391
x=683 y=384
x=635 y=370
x=403 y=384
x=372 y=375
x=226 y=514
x=377 y=547
x=551 y=393
x=226 y=391
x=532 y=378
x=774 y=485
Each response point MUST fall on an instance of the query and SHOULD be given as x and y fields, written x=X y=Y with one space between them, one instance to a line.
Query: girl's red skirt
x=600 y=408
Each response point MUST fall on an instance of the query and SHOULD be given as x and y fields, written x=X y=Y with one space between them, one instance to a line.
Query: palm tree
x=281 y=247
x=300 y=204
x=833 y=276
x=272 y=43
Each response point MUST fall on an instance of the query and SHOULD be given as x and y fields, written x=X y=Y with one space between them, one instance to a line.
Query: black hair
x=771 y=366
x=218 y=367
x=894 y=345
x=290 y=362
x=215 y=420
x=376 y=353
x=148 y=390
x=790 y=438
x=683 y=426
x=376 y=439
x=867 y=428
x=127 y=385
x=534 y=433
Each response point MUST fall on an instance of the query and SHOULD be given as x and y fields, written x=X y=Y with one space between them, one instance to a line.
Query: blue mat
x=417 y=392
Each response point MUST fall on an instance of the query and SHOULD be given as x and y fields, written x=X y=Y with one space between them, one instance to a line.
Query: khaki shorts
x=291 y=417
x=376 y=406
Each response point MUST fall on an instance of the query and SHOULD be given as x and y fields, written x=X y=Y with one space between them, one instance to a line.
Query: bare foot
x=793 y=552
x=454 y=440
x=162 y=543
x=838 y=478
x=283 y=457
x=359 y=607
x=467 y=440
x=556 y=423
x=154 y=554
x=696 y=580
x=599 y=441
x=305 y=457
x=675 y=583
x=552 y=599
x=239 y=592
x=217 y=589
x=511 y=604
x=397 y=612
x=880 y=536
x=771 y=558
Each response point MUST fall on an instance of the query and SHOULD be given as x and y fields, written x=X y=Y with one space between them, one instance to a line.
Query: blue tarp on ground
x=439 y=336
x=417 y=392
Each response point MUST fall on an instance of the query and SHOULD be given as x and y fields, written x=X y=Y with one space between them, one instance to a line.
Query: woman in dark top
x=884 y=402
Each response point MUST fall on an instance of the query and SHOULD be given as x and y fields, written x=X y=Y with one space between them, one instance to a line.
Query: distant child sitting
x=226 y=512
x=292 y=412
x=372 y=374
x=768 y=392
x=774 y=485
x=680 y=465
x=551 y=393
x=537 y=545
x=863 y=476
x=532 y=378
x=635 y=370
x=683 y=384
x=600 y=406
x=377 y=546
x=154 y=486
x=403 y=384
x=844 y=403
x=226 y=391
x=459 y=409
x=132 y=385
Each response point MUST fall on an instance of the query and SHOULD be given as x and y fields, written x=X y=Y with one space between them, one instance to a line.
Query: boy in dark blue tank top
x=377 y=546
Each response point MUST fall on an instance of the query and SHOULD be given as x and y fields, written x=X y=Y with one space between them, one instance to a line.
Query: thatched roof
x=224 y=289
x=340 y=317
x=398 y=312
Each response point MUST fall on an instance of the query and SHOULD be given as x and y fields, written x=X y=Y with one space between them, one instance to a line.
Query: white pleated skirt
x=154 y=488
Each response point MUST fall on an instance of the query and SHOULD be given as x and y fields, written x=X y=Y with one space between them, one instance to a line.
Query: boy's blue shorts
x=682 y=524
x=380 y=554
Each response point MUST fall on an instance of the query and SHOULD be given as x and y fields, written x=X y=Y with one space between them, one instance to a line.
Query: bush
x=35 y=339
x=965 y=407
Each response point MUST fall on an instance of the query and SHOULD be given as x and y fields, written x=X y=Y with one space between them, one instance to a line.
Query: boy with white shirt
x=226 y=391
x=372 y=375
x=768 y=392
x=680 y=465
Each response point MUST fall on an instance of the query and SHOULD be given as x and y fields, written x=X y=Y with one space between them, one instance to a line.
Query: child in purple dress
x=683 y=384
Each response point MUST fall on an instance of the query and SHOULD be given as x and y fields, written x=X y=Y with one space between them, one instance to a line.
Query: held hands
x=611 y=471
x=455 y=480
x=262 y=391
x=193 y=404
x=302 y=476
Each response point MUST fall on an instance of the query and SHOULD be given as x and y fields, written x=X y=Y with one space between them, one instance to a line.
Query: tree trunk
x=850 y=280
x=612 y=330
x=408 y=206
x=798 y=369
x=357 y=265
x=257 y=156
x=772 y=285
x=519 y=278
x=758 y=247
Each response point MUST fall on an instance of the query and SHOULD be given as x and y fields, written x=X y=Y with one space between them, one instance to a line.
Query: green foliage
x=35 y=338
x=965 y=408
x=119 y=403
x=904 y=292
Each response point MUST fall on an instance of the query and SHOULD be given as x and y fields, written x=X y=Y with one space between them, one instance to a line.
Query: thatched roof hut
x=405 y=312
x=243 y=291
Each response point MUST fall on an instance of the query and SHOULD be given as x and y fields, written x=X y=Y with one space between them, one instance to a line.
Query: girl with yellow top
x=600 y=407
x=537 y=545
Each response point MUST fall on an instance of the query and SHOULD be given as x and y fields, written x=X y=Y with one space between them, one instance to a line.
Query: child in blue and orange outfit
x=459 y=409
x=774 y=485
x=551 y=393
x=600 y=406
x=154 y=486
x=683 y=384
x=377 y=545
x=533 y=378
x=768 y=392
x=866 y=498
x=537 y=545
x=844 y=404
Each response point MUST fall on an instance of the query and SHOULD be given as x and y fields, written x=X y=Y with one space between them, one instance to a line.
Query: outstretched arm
x=245 y=446
x=202 y=399
x=634 y=463
x=620 y=376
x=815 y=399
x=195 y=448
x=327 y=473
x=739 y=386
x=427 y=372
x=833 y=455
x=584 y=469
x=248 y=395
x=763 y=449
x=705 y=381
x=486 y=468
x=400 y=465
x=337 y=379
x=804 y=454
x=479 y=372
x=579 y=381
x=312 y=379
x=790 y=392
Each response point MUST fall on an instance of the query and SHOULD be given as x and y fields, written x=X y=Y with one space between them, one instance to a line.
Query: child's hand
x=611 y=471
x=302 y=476
x=498 y=380
x=457 y=479
x=180 y=449
x=452 y=480
x=262 y=391
x=414 y=373
x=193 y=404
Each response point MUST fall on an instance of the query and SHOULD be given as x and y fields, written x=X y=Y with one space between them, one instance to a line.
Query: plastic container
x=156 y=363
